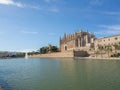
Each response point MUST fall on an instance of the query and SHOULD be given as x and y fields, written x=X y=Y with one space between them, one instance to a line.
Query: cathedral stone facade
x=85 y=41
x=78 y=41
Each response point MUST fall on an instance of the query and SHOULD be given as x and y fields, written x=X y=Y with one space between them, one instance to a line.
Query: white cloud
x=26 y=50
x=48 y=1
x=111 y=27
x=11 y=2
x=111 y=13
x=51 y=34
x=29 y=32
x=95 y=2
x=55 y=10
x=22 y=5
x=36 y=7
x=106 y=30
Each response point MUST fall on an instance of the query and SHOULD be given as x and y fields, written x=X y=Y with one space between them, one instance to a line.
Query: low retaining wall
x=64 y=54
x=81 y=54
x=57 y=54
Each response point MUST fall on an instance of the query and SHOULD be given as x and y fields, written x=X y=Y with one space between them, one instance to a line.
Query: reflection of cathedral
x=78 y=40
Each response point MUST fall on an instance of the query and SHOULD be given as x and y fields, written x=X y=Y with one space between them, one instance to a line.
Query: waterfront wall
x=70 y=53
x=57 y=54
x=81 y=54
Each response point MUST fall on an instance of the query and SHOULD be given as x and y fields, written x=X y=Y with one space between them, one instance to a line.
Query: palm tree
x=96 y=53
x=117 y=47
x=108 y=49
x=100 y=48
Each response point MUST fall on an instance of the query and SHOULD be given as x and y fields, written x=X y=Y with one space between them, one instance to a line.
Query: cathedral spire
x=80 y=30
x=87 y=30
x=65 y=35
x=60 y=37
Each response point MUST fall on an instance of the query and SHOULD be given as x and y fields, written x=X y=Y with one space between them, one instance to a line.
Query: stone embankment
x=78 y=54
x=57 y=54
x=63 y=54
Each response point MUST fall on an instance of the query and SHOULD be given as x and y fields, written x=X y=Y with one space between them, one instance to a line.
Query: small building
x=107 y=41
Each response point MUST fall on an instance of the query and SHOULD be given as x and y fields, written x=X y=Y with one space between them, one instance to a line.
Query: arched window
x=76 y=42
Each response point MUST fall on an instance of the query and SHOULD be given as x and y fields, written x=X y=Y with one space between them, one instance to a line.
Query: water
x=26 y=55
x=59 y=74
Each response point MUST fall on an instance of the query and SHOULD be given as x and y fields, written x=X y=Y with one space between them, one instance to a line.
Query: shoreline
x=80 y=58
x=54 y=55
x=71 y=54
x=97 y=58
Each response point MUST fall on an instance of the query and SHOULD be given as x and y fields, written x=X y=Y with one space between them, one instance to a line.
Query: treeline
x=34 y=53
x=11 y=54
x=19 y=55
x=45 y=50
x=48 y=49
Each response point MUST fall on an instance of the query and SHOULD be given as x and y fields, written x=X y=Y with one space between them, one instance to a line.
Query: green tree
x=53 y=49
x=108 y=49
x=48 y=49
x=117 y=47
x=44 y=50
x=100 y=48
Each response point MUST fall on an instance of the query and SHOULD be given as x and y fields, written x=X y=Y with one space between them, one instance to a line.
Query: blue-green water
x=59 y=74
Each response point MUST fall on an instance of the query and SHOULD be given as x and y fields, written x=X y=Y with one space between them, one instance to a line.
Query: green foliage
x=33 y=53
x=116 y=55
x=48 y=49
x=44 y=50
x=53 y=49
x=117 y=46
x=20 y=55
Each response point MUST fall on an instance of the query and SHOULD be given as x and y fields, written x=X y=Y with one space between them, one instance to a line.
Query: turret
x=81 y=30
x=64 y=35
x=60 y=40
x=87 y=30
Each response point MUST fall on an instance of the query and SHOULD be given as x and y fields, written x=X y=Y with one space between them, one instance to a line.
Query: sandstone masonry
x=83 y=40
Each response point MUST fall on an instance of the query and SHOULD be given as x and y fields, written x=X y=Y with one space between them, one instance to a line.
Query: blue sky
x=31 y=24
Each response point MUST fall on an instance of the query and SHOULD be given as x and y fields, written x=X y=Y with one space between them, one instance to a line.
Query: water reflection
x=59 y=74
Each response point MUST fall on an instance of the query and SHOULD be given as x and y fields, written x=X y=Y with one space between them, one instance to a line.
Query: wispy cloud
x=36 y=7
x=48 y=1
x=26 y=50
x=29 y=32
x=11 y=2
x=110 y=27
x=106 y=30
x=111 y=13
x=53 y=9
x=95 y=2
x=51 y=34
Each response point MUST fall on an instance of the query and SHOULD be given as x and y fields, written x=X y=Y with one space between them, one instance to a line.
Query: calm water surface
x=59 y=74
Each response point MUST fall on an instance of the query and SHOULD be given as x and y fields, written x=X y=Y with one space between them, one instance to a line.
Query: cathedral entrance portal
x=65 y=48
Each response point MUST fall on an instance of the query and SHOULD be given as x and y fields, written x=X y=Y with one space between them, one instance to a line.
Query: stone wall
x=111 y=40
x=81 y=54
x=62 y=54
x=57 y=54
